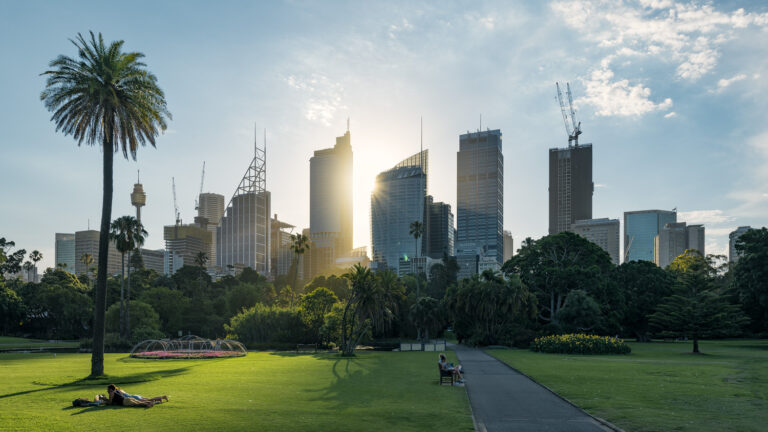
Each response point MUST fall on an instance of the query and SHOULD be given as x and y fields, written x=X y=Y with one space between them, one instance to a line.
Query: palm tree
x=87 y=260
x=201 y=259
x=119 y=234
x=299 y=245
x=417 y=229
x=35 y=256
x=137 y=234
x=107 y=98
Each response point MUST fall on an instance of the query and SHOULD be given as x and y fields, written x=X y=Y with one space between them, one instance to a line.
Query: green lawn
x=661 y=386
x=262 y=391
x=8 y=342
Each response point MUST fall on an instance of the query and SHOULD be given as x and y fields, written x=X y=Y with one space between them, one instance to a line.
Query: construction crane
x=569 y=115
x=176 y=213
x=202 y=179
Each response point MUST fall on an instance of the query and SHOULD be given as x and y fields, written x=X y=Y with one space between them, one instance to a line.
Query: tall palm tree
x=118 y=233
x=108 y=98
x=137 y=234
x=416 y=230
x=201 y=259
x=35 y=256
x=87 y=260
x=299 y=245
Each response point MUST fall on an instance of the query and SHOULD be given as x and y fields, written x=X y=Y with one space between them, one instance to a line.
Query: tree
x=87 y=260
x=12 y=309
x=372 y=305
x=555 y=265
x=201 y=259
x=299 y=245
x=580 y=314
x=696 y=310
x=106 y=98
x=425 y=314
x=10 y=262
x=644 y=285
x=416 y=229
x=315 y=306
x=169 y=305
x=136 y=235
x=750 y=277
x=35 y=256
x=28 y=267
x=119 y=235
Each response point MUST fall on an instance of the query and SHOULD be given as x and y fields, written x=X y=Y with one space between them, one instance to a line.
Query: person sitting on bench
x=456 y=371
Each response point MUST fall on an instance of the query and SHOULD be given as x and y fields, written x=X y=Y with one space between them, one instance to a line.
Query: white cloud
x=323 y=96
x=686 y=35
x=725 y=82
x=706 y=217
x=670 y=114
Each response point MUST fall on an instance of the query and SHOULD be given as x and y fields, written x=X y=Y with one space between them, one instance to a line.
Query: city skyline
x=690 y=128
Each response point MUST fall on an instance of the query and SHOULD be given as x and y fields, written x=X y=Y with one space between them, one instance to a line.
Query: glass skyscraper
x=480 y=202
x=65 y=251
x=398 y=199
x=640 y=230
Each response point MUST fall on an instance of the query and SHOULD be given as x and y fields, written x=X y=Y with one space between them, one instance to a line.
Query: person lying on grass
x=456 y=371
x=83 y=402
x=118 y=397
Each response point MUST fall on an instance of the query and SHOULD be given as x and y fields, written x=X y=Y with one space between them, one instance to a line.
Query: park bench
x=445 y=375
x=306 y=348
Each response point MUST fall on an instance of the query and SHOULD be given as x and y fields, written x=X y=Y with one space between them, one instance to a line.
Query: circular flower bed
x=188 y=347
x=580 y=344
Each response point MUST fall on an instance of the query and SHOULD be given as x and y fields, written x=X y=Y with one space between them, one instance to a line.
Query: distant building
x=640 y=230
x=280 y=248
x=570 y=186
x=330 y=204
x=733 y=254
x=416 y=265
x=397 y=200
x=211 y=207
x=65 y=251
x=509 y=246
x=356 y=256
x=479 y=202
x=154 y=260
x=673 y=240
x=182 y=244
x=438 y=230
x=602 y=232
x=87 y=242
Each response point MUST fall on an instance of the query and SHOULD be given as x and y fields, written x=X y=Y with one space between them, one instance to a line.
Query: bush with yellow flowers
x=580 y=344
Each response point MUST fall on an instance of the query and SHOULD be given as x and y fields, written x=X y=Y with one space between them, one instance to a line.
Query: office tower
x=438 y=230
x=242 y=236
x=87 y=242
x=509 y=246
x=602 y=232
x=397 y=200
x=640 y=230
x=676 y=238
x=479 y=202
x=281 y=255
x=154 y=259
x=210 y=209
x=733 y=254
x=182 y=244
x=65 y=251
x=330 y=204
x=570 y=186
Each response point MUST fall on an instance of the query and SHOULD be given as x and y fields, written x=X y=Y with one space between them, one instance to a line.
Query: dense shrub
x=142 y=315
x=264 y=325
x=580 y=344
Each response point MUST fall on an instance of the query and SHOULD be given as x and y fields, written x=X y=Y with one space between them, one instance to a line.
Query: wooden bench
x=306 y=347
x=445 y=375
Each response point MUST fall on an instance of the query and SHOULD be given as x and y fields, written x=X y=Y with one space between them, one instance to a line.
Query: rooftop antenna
x=481 y=122
x=138 y=176
x=347 y=124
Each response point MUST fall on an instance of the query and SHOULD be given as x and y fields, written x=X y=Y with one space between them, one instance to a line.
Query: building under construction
x=242 y=236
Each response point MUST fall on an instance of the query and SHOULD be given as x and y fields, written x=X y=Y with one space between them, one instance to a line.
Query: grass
x=661 y=386
x=262 y=391
x=8 y=342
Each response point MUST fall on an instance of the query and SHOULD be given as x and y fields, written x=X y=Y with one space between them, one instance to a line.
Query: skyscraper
x=479 y=202
x=438 y=230
x=733 y=254
x=280 y=248
x=210 y=209
x=65 y=251
x=242 y=236
x=182 y=244
x=87 y=242
x=509 y=246
x=570 y=186
x=640 y=230
x=602 y=232
x=397 y=200
x=674 y=239
x=330 y=204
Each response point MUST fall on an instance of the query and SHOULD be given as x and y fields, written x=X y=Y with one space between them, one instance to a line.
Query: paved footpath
x=505 y=400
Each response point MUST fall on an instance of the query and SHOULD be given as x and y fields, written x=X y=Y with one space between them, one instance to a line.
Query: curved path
x=502 y=399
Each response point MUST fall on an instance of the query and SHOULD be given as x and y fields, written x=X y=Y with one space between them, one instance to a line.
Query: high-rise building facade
x=242 y=236
x=676 y=238
x=154 y=259
x=330 y=204
x=87 y=242
x=280 y=248
x=509 y=246
x=570 y=186
x=640 y=230
x=603 y=232
x=733 y=254
x=438 y=230
x=479 y=202
x=397 y=200
x=210 y=209
x=182 y=245
x=65 y=251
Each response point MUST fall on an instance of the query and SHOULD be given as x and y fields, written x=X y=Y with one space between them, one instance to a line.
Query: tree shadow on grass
x=101 y=381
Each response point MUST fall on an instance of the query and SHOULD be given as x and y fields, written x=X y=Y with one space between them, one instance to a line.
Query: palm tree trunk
x=100 y=306
x=128 y=301
x=122 y=296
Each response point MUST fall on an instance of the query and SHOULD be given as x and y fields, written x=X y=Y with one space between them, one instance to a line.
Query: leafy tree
x=580 y=314
x=106 y=98
x=644 y=285
x=750 y=277
x=60 y=306
x=372 y=305
x=144 y=316
x=201 y=259
x=193 y=281
x=696 y=309
x=315 y=306
x=554 y=265
x=169 y=304
x=28 y=267
x=425 y=314
x=339 y=285
x=268 y=325
x=246 y=295
x=119 y=234
x=10 y=262
x=12 y=309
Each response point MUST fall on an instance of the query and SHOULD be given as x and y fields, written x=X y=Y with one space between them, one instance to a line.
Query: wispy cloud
x=707 y=217
x=670 y=114
x=726 y=82
x=323 y=97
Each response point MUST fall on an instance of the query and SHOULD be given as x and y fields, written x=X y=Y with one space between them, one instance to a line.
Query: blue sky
x=672 y=95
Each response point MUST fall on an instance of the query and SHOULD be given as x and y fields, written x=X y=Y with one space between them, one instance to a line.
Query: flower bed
x=580 y=344
x=186 y=354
